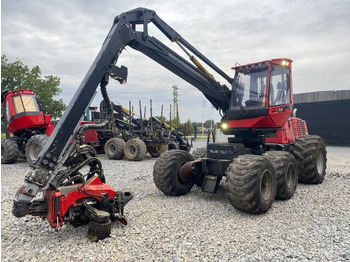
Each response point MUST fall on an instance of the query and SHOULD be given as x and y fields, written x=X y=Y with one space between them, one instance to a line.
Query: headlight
x=224 y=126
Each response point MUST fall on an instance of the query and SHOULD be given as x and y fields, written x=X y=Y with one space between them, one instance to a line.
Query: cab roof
x=263 y=64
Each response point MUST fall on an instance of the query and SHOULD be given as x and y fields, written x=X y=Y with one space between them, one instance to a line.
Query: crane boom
x=123 y=33
x=63 y=154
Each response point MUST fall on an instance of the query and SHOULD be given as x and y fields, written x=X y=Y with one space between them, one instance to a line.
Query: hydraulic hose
x=108 y=119
x=73 y=172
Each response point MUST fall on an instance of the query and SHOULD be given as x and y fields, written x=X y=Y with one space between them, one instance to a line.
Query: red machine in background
x=29 y=127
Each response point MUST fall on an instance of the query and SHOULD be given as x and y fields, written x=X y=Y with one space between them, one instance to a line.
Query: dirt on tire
x=251 y=183
x=173 y=145
x=199 y=153
x=9 y=151
x=165 y=173
x=286 y=173
x=34 y=146
x=157 y=150
x=114 y=148
x=311 y=156
x=135 y=149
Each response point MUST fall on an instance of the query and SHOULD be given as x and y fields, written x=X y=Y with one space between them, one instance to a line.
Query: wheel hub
x=290 y=175
x=320 y=162
x=111 y=149
x=184 y=171
x=266 y=185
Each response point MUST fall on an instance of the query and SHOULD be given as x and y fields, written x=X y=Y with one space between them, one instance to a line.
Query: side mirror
x=40 y=107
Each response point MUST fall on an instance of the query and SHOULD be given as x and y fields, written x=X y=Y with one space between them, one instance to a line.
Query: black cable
x=102 y=196
x=105 y=123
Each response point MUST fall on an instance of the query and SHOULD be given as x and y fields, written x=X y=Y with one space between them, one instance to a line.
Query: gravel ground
x=313 y=225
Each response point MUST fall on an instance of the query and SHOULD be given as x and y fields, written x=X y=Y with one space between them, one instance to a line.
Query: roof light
x=285 y=63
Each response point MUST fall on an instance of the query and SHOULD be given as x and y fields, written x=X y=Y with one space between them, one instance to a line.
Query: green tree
x=209 y=123
x=17 y=75
x=175 y=122
x=163 y=119
x=188 y=128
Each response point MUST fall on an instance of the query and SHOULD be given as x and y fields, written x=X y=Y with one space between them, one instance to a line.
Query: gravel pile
x=313 y=225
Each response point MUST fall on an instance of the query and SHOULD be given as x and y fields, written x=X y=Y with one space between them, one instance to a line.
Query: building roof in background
x=321 y=96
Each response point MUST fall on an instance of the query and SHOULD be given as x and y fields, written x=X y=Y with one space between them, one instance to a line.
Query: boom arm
x=197 y=76
x=123 y=33
x=61 y=158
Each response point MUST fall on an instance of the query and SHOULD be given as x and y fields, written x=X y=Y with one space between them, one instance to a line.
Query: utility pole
x=175 y=101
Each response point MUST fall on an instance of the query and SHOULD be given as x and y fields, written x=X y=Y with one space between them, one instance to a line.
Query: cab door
x=280 y=103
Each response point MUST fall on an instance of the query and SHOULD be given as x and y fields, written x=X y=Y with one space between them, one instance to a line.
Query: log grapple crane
x=267 y=153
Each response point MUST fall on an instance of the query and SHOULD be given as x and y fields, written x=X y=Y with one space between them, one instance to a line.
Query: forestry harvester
x=268 y=152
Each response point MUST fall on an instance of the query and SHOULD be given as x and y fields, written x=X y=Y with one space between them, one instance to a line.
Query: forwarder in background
x=133 y=136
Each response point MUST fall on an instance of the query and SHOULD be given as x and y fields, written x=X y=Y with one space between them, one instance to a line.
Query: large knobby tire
x=9 y=151
x=34 y=146
x=165 y=173
x=173 y=145
x=135 y=149
x=114 y=148
x=286 y=173
x=311 y=155
x=199 y=153
x=157 y=150
x=252 y=184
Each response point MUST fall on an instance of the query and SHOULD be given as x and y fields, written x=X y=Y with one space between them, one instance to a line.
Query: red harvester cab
x=30 y=127
x=23 y=113
x=262 y=103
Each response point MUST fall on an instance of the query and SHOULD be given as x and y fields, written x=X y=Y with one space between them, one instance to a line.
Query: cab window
x=25 y=103
x=251 y=89
x=279 y=86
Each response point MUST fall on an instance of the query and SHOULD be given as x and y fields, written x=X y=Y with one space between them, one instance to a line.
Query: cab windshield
x=25 y=103
x=250 y=90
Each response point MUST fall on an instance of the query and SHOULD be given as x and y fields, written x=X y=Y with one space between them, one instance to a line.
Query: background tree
x=175 y=121
x=188 y=128
x=209 y=123
x=17 y=75
x=163 y=119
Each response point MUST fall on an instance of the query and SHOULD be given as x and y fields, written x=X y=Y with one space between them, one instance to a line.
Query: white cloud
x=64 y=37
